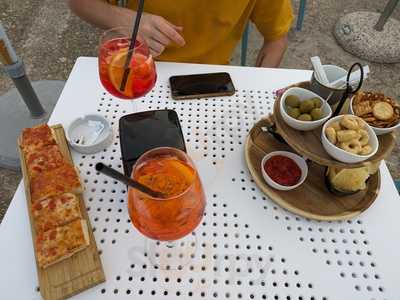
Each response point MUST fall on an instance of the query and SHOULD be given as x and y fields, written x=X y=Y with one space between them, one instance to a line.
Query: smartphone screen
x=140 y=132
x=201 y=85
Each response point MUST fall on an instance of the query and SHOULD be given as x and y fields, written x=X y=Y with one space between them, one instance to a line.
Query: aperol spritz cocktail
x=170 y=171
x=114 y=50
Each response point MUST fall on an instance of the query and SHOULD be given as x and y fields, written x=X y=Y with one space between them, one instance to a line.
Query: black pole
x=17 y=74
x=29 y=96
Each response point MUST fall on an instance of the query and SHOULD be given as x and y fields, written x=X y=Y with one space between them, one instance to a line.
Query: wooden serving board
x=308 y=143
x=79 y=272
x=311 y=199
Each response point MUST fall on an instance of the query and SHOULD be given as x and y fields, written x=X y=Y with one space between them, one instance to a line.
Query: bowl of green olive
x=304 y=110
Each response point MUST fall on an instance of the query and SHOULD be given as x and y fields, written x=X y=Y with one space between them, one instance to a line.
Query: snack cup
x=342 y=155
x=377 y=130
x=303 y=94
x=333 y=73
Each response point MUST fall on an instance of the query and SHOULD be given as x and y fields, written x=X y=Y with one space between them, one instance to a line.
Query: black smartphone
x=140 y=132
x=201 y=86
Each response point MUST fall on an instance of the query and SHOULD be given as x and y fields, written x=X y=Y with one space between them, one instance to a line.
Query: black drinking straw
x=102 y=168
x=132 y=45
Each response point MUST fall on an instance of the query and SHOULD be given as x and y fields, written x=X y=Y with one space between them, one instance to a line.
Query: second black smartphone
x=201 y=85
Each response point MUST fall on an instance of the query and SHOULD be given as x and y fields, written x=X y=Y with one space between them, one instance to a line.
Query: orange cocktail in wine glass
x=171 y=218
x=113 y=52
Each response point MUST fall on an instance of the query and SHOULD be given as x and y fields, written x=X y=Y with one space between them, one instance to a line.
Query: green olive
x=317 y=102
x=306 y=106
x=316 y=114
x=294 y=112
x=304 y=117
x=292 y=100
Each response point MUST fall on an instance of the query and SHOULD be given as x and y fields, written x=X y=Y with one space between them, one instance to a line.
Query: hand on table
x=159 y=33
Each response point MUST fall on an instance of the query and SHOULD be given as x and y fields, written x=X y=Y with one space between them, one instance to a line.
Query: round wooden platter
x=312 y=199
x=308 y=143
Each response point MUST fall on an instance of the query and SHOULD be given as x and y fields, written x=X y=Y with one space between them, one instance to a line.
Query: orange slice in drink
x=116 y=72
x=140 y=67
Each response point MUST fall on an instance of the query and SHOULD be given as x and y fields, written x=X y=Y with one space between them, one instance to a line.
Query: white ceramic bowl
x=297 y=159
x=303 y=94
x=342 y=155
x=378 y=131
x=80 y=128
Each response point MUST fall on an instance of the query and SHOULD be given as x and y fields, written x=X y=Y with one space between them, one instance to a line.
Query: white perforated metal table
x=249 y=248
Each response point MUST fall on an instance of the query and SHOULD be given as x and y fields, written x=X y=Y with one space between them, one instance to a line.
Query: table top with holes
x=248 y=247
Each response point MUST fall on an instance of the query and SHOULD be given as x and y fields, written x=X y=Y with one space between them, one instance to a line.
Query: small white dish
x=342 y=155
x=304 y=94
x=378 y=131
x=84 y=129
x=296 y=158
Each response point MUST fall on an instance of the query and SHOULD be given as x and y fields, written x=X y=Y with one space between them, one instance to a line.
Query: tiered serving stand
x=313 y=199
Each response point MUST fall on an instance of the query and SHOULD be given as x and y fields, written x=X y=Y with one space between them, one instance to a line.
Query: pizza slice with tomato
x=63 y=179
x=44 y=159
x=36 y=137
x=56 y=211
x=61 y=242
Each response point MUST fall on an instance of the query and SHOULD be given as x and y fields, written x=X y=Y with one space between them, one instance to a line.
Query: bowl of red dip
x=284 y=170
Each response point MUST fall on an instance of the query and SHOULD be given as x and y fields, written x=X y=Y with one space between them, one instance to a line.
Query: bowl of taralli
x=382 y=113
x=303 y=110
x=349 y=139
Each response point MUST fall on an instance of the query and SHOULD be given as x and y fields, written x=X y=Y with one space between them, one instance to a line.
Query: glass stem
x=170 y=244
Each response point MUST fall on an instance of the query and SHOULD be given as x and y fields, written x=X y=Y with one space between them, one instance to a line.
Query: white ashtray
x=89 y=134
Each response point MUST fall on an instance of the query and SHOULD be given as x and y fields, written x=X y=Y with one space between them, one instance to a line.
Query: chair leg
x=243 y=51
x=397 y=184
x=300 y=17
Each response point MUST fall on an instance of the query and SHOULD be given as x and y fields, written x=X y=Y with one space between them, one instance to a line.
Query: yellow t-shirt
x=212 y=29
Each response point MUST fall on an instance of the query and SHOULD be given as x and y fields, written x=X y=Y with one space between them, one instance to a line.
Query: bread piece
x=63 y=179
x=36 y=137
x=43 y=159
x=57 y=244
x=55 y=211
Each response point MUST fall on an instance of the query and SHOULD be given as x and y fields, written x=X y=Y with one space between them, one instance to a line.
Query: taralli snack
x=346 y=135
x=349 y=134
x=349 y=123
x=364 y=139
x=365 y=150
x=331 y=135
x=376 y=109
x=336 y=126
x=352 y=146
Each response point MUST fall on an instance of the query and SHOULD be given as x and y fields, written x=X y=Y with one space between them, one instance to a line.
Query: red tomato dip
x=283 y=170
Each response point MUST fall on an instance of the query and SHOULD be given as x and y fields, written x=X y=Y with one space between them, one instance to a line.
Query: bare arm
x=102 y=14
x=158 y=32
x=271 y=54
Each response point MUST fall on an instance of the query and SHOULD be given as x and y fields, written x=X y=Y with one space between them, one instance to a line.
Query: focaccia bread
x=63 y=179
x=36 y=137
x=62 y=242
x=44 y=159
x=56 y=211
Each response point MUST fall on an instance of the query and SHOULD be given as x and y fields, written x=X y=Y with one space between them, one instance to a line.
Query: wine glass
x=167 y=221
x=113 y=52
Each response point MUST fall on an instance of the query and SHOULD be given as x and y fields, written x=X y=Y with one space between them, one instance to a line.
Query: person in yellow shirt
x=197 y=31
